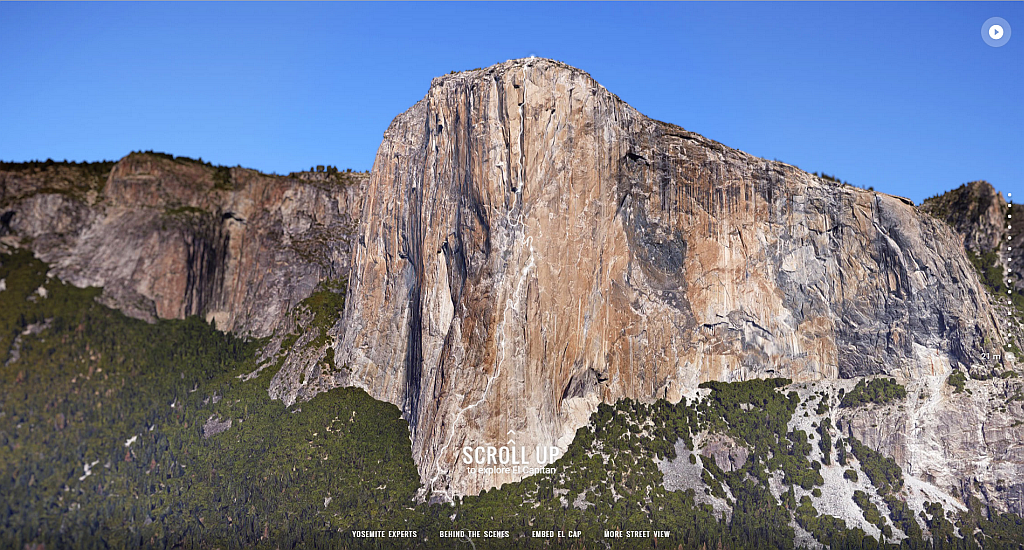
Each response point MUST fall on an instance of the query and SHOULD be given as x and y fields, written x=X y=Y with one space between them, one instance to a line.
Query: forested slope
x=115 y=433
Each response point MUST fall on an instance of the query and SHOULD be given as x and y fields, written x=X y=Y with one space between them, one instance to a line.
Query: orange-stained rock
x=531 y=246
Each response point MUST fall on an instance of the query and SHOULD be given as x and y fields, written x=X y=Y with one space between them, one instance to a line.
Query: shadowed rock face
x=993 y=231
x=531 y=246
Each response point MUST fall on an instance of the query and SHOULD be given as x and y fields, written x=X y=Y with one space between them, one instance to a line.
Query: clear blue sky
x=903 y=97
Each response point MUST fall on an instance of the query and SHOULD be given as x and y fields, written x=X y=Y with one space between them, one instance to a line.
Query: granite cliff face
x=531 y=246
x=995 y=245
x=168 y=238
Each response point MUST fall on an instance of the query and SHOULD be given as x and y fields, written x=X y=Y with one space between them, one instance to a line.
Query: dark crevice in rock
x=207 y=249
x=583 y=383
x=5 y=222
x=413 y=248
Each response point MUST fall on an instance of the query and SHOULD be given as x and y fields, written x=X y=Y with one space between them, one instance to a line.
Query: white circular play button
x=995 y=32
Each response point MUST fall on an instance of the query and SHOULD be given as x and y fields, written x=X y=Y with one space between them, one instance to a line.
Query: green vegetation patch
x=989 y=270
x=105 y=436
x=989 y=528
x=871 y=513
x=71 y=179
x=326 y=306
x=902 y=517
x=958 y=380
x=222 y=178
x=822 y=407
x=825 y=444
x=319 y=312
x=879 y=390
x=883 y=471
x=99 y=168
x=831 y=531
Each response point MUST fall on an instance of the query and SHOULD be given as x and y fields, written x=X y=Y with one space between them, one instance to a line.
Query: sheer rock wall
x=531 y=246
x=170 y=238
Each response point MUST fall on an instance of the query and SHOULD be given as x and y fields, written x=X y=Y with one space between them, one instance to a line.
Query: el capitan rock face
x=531 y=246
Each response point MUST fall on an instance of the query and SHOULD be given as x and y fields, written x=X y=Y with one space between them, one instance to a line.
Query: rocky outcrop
x=727 y=454
x=976 y=211
x=531 y=246
x=966 y=443
x=995 y=246
x=171 y=237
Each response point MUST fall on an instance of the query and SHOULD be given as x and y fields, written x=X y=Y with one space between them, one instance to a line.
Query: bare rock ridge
x=976 y=211
x=985 y=220
x=995 y=246
x=531 y=246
